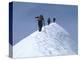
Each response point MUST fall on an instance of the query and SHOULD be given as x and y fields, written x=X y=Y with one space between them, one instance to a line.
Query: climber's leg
x=40 y=25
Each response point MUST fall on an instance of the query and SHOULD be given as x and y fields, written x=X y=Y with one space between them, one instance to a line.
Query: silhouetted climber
x=48 y=21
x=54 y=19
x=40 y=20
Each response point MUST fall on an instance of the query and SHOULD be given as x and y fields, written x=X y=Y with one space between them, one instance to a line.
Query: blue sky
x=24 y=22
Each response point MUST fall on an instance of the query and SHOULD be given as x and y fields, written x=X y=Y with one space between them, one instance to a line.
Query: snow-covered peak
x=52 y=40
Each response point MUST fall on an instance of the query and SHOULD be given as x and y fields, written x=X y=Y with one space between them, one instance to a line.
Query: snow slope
x=53 y=40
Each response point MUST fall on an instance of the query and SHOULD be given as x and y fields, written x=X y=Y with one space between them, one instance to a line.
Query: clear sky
x=24 y=22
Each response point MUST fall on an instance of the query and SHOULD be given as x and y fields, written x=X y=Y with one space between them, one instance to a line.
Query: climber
x=40 y=20
x=54 y=20
x=48 y=21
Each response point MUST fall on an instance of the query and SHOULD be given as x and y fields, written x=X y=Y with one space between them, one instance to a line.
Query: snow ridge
x=52 y=40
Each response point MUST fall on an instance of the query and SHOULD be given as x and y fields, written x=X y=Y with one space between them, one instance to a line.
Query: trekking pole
x=36 y=24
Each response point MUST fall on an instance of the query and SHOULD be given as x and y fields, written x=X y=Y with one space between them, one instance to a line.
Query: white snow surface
x=53 y=40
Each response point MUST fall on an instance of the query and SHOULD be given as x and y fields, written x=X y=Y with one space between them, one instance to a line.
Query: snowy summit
x=51 y=41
